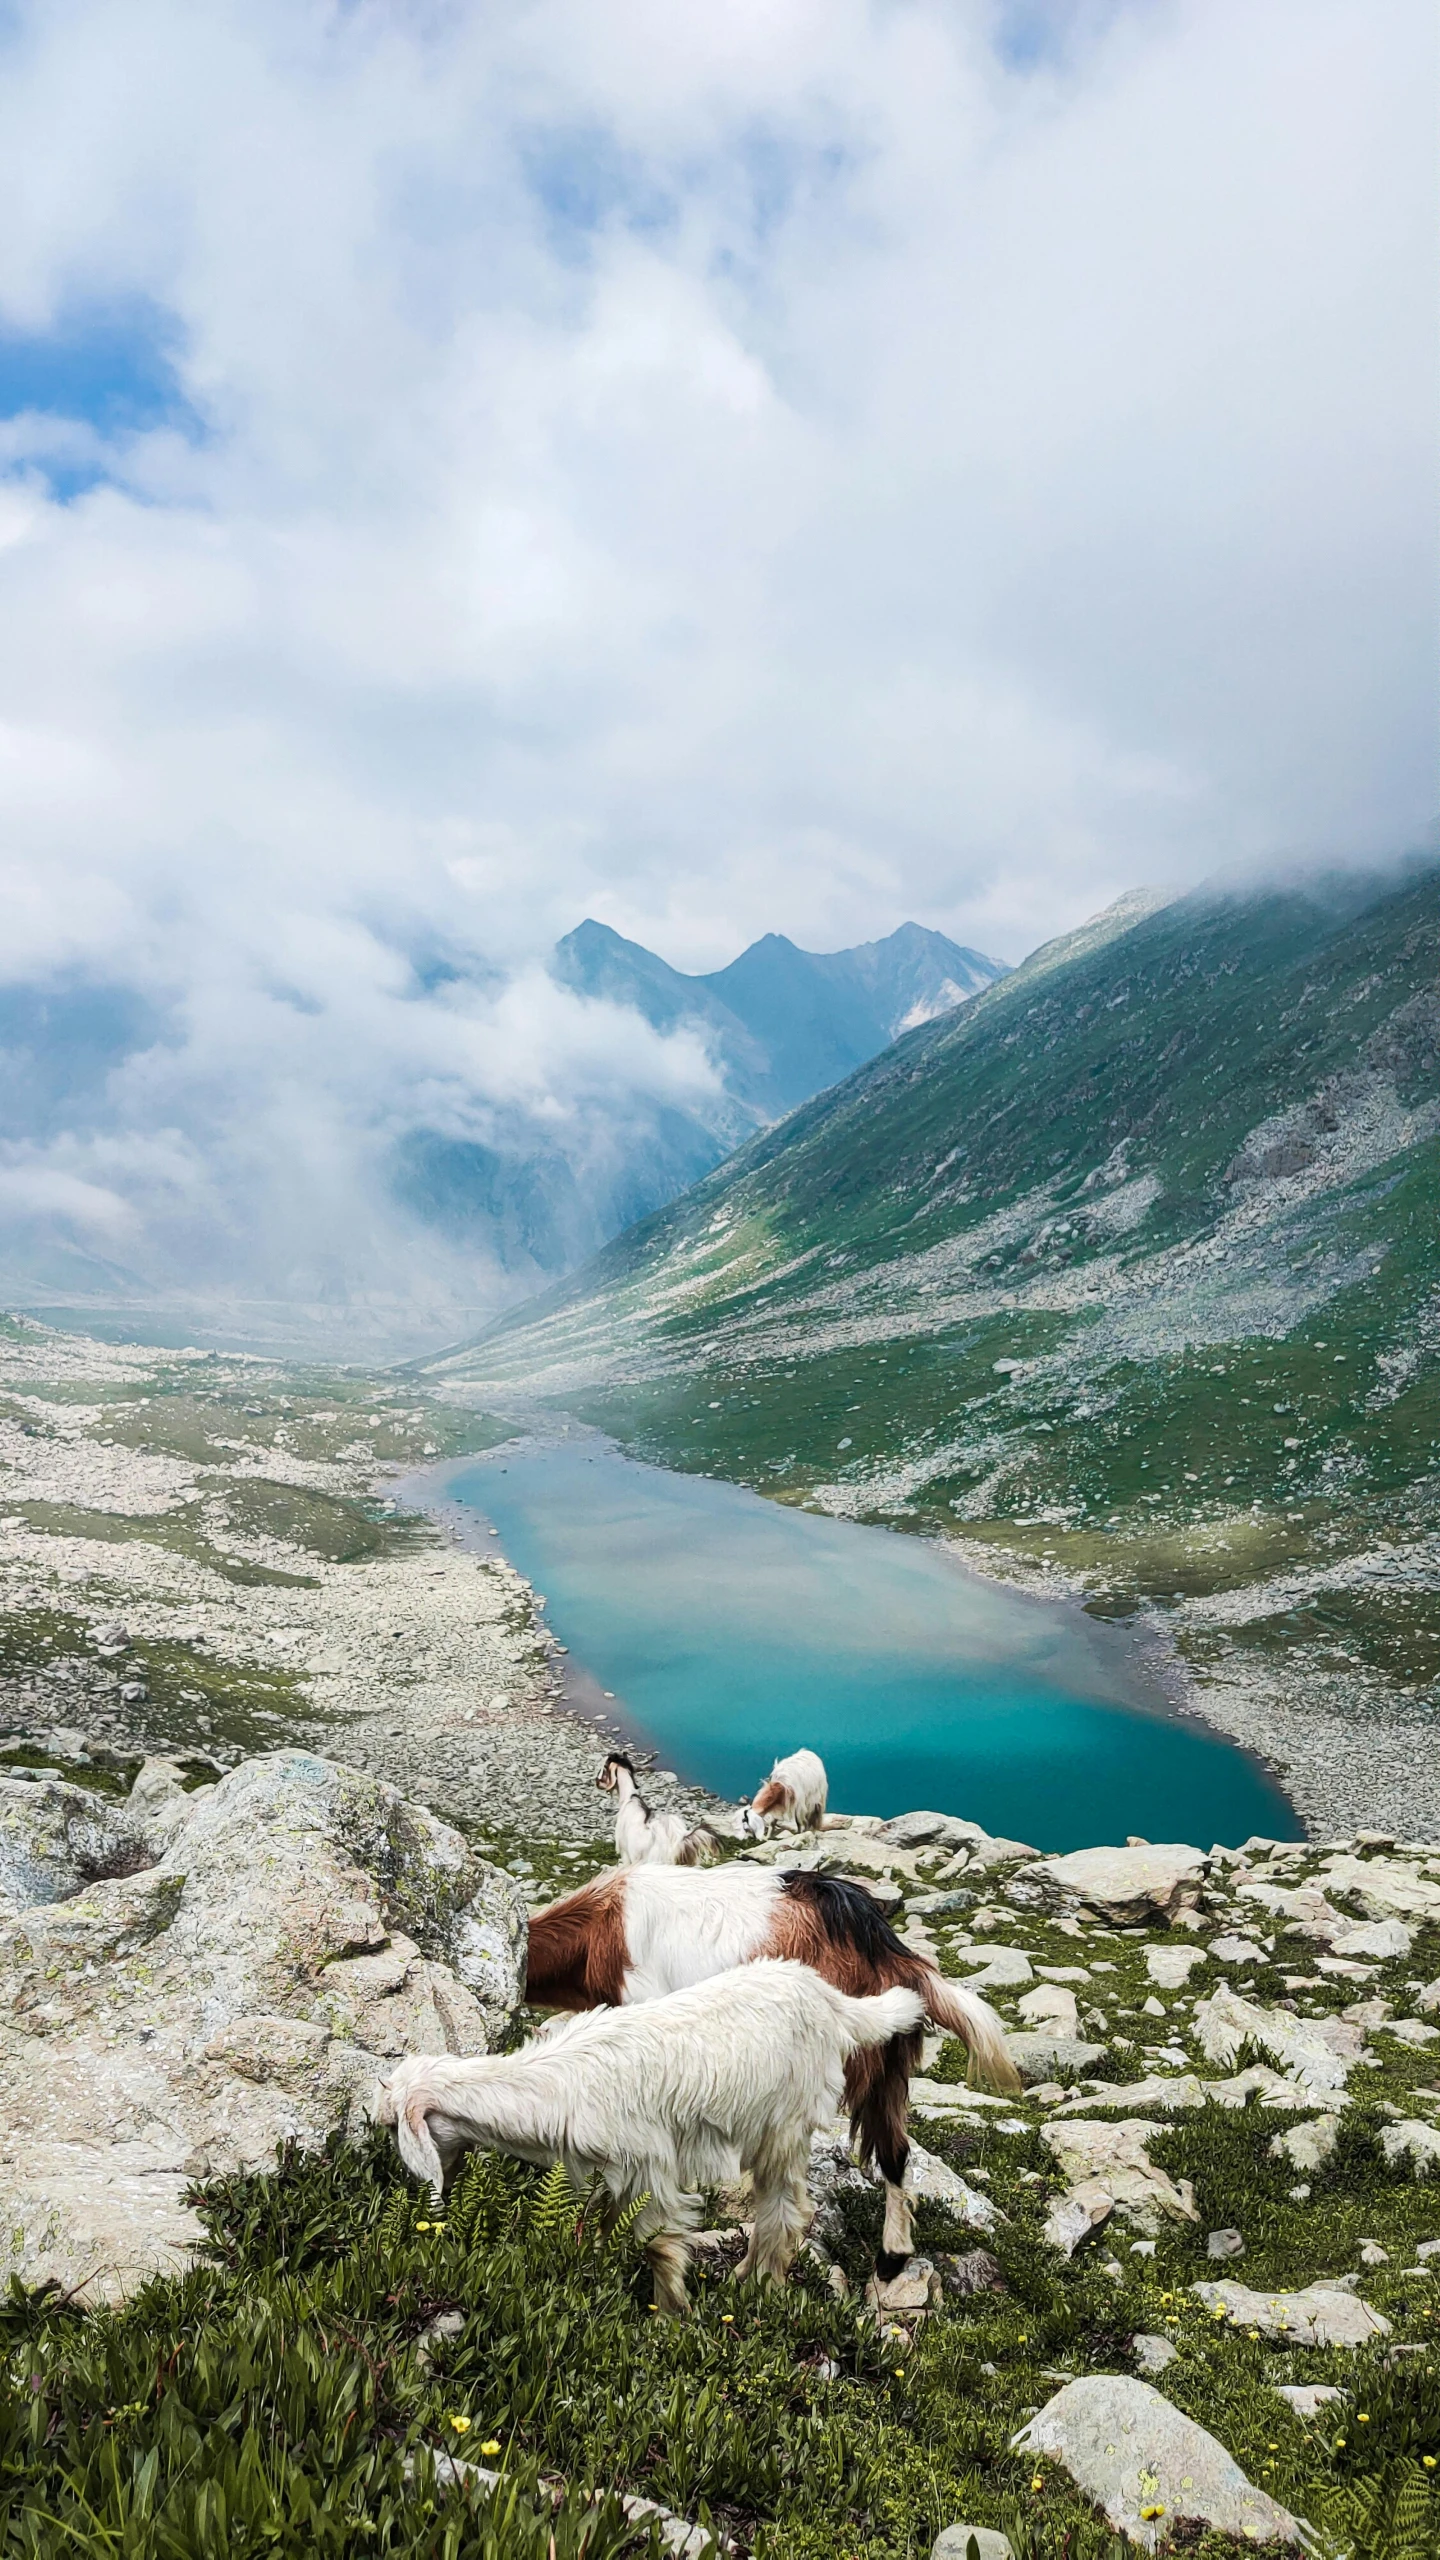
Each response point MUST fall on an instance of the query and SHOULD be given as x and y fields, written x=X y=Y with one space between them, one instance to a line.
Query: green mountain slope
x=1128 y=1272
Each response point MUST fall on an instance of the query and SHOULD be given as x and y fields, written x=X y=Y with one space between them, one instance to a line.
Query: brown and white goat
x=734 y=2074
x=640 y=1933
x=794 y=1796
x=644 y=1838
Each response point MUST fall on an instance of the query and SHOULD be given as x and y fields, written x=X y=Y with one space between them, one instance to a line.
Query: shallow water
x=731 y=1629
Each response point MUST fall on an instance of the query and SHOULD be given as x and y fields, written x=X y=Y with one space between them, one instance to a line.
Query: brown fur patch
x=578 y=1953
x=772 y=1797
x=877 y=2079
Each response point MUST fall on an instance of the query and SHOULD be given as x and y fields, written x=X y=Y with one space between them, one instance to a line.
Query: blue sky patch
x=112 y=370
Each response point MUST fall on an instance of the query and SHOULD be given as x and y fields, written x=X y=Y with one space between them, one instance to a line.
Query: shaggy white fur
x=794 y=1796
x=644 y=1838
x=656 y=2101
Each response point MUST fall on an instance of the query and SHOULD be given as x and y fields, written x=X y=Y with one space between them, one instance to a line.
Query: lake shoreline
x=1118 y=1668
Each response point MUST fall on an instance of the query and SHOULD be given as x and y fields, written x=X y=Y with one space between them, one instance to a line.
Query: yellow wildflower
x=462 y=2426
x=491 y=2445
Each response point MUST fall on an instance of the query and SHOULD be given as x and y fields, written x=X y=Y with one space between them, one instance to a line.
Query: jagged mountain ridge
x=784 y=1023
x=780 y=1023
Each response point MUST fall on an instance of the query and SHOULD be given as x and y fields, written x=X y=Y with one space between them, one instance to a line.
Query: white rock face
x=1315 y=2052
x=1000 y=1967
x=1051 y=2004
x=1307 y=2146
x=55 y=1838
x=1171 y=1967
x=1122 y=1885
x=1148 y=2467
x=1413 y=2141
x=1308 y=2398
x=1383 y=1887
x=1377 y=1938
x=1316 y=2317
x=1152 y=2352
x=935 y=2179
x=1113 y=2158
x=303 y=1928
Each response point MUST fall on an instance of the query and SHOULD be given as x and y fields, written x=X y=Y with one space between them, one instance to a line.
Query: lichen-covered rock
x=1114 y=2157
x=1319 y=2315
x=304 y=1926
x=1171 y=1967
x=55 y=1838
x=1384 y=1888
x=1148 y=2467
x=971 y=2542
x=1127 y=1886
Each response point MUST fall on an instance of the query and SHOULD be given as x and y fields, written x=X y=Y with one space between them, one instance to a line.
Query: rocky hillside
x=1179 y=2295
x=1127 y=1275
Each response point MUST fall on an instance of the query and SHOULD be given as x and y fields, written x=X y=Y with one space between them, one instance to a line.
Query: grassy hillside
x=1126 y=1272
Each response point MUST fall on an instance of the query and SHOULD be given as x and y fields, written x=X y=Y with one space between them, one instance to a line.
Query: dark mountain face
x=784 y=1023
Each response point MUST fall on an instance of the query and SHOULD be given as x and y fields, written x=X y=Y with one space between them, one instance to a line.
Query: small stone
x=1234 y=1950
x=916 y=2288
x=971 y=2542
x=1152 y=2353
x=1308 y=2398
x=1300 y=2194
x=1372 y=2255
x=1228 y=2243
x=1038 y=2055
x=1152 y=2008
x=1413 y=2141
x=971 y=2271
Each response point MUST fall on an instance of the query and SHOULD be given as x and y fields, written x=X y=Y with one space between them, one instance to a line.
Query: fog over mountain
x=466 y=1185
x=721 y=473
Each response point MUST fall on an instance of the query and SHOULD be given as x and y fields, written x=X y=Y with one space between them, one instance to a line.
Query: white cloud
x=777 y=466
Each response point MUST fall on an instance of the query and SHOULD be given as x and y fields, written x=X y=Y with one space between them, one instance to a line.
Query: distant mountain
x=784 y=1023
x=1128 y=1273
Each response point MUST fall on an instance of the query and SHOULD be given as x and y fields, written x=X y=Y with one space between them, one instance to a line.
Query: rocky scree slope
x=1183 y=2289
x=1126 y=1275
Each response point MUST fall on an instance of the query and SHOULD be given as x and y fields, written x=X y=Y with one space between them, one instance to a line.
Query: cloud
x=783 y=467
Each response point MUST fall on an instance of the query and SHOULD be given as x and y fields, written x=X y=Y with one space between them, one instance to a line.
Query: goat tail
x=966 y=2015
x=417 y=2144
x=874 y=2020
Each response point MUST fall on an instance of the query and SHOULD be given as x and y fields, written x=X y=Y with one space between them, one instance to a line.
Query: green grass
x=271 y=2400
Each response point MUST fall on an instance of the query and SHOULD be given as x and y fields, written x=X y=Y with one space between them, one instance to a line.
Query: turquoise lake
x=732 y=1629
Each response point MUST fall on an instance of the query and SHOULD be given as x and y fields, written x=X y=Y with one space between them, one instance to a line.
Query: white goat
x=794 y=1796
x=660 y=2099
x=644 y=1838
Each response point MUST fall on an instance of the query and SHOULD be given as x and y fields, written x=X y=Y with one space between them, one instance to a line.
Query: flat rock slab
x=1314 y=2317
x=1040 y=2053
x=1000 y=1968
x=1148 y=2467
x=1127 y=1886
x=1315 y=2052
x=1171 y=1967
x=938 y=2183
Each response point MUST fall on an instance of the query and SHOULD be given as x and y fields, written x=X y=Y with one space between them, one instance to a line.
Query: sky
x=786 y=467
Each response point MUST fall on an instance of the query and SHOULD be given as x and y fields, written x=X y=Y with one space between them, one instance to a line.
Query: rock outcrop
x=1148 y=2467
x=298 y=1926
x=1126 y=1886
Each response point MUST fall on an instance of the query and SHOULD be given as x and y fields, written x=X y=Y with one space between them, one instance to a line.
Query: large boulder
x=1415 y=2141
x=1126 y=1886
x=303 y=1928
x=1039 y=2052
x=1319 y=2315
x=1148 y=2467
x=1384 y=1888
